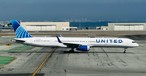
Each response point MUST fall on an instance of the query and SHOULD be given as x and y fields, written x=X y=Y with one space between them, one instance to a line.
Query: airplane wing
x=69 y=44
x=78 y=46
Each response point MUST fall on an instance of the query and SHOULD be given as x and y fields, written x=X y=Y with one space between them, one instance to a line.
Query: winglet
x=59 y=35
x=58 y=39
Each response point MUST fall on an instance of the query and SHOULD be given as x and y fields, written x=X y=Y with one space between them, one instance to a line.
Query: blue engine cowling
x=83 y=48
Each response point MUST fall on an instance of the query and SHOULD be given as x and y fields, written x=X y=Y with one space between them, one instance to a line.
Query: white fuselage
x=92 y=42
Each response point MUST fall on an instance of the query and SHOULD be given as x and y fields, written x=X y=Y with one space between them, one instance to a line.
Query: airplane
x=79 y=43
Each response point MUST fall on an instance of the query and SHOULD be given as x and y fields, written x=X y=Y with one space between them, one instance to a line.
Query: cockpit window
x=133 y=41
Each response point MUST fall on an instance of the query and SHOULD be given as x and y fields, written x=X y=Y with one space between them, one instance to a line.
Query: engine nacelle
x=83 y=48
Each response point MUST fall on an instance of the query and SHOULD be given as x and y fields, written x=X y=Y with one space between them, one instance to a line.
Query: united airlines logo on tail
x=109 y=40
x=19 y=31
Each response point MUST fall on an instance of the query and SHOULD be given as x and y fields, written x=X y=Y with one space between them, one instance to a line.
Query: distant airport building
x=44 y=26
x=69 y=28
x=127 y=26
x=104 y=28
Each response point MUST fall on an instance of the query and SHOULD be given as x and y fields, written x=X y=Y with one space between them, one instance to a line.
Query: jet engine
x=83 y=48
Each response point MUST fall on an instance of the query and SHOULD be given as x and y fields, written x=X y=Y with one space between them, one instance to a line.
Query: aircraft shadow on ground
x=67 y=52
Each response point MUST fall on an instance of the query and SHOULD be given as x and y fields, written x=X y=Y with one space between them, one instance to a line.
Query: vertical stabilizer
x=19 y=30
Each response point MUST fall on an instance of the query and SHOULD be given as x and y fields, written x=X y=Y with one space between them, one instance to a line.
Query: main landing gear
x=72 y=50
x=125 y=50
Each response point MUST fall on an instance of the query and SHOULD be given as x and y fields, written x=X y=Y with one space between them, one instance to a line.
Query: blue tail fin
x=19 y=31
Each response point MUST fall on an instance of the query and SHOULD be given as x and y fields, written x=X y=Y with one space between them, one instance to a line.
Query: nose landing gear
x=125 y=50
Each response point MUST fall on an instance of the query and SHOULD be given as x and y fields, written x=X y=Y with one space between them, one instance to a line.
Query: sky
x=71 y=10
